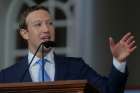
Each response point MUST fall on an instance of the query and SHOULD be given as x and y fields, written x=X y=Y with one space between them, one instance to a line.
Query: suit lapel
x=60 y=68
x=25 y=76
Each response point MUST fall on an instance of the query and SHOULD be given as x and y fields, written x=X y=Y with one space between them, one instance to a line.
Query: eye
x=50 y=23
x=37 y=24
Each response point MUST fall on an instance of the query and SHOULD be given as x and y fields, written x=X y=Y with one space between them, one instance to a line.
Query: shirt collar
x=49 y=56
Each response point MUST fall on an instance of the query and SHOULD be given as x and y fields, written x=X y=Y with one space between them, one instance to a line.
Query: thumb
x=111 y=42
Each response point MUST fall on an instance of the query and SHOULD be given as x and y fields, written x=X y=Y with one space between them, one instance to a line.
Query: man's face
x=39 y=29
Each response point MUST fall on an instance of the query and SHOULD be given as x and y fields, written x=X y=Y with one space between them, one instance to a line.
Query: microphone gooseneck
x=47 y=45
x=22 y=77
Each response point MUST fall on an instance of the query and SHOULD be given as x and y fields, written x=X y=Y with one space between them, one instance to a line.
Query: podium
x=68 y=86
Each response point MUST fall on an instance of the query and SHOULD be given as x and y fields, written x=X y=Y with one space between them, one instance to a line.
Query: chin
x=47 y=49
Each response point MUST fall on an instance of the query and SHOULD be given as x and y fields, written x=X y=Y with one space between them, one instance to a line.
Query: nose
x=45 y=28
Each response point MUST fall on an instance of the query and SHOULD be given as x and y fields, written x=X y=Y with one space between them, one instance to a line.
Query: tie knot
x=40 y=61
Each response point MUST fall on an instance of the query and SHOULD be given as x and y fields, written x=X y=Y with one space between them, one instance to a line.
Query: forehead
x=38 y=15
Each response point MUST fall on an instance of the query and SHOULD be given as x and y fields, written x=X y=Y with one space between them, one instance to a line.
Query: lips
x=45 y=38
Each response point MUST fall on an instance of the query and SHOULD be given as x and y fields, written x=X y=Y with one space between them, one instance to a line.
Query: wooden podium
x=68 y=86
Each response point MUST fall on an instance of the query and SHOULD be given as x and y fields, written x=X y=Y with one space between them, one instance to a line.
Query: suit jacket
x=69 y=68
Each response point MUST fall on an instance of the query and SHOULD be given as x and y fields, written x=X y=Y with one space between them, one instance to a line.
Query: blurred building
x=82 y=30
x=72 y=23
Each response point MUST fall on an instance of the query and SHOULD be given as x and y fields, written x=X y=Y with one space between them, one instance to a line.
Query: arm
x=120 y=51
x=115 y=83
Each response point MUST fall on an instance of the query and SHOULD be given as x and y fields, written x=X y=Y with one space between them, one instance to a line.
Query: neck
x=39 y=53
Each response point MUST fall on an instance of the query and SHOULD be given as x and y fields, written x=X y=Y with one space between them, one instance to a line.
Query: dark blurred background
x=116 y=18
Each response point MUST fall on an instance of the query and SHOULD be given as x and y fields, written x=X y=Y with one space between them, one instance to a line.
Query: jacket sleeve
x=114 y=83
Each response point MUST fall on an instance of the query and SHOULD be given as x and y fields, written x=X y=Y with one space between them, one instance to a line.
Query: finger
x=132 y=49
x=125 y=37
x=132 y=44
x=130 y=39
x=111 y=42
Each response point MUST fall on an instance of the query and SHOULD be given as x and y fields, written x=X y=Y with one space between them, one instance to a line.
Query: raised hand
x=122 y=49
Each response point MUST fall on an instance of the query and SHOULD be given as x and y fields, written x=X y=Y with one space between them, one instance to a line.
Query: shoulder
x=17 y=66
x=13 y=72
x=73 y=59
x=70 y=61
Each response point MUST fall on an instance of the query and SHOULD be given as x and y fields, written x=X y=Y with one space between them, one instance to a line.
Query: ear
x=24 y=33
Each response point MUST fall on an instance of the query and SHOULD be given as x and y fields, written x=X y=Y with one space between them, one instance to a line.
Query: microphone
x=47 y=44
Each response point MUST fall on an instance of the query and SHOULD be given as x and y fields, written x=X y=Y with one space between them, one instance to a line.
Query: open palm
x=122 y=49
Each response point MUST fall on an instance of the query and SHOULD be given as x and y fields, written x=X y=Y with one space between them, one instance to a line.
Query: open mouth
x=45 y=38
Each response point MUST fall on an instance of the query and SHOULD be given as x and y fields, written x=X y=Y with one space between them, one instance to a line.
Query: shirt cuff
x=119 y=65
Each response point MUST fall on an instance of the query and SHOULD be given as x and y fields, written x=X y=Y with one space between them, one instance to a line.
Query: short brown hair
x=22 y=24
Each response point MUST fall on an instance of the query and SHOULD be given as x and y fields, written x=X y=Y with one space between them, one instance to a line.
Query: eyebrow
x=38 y=20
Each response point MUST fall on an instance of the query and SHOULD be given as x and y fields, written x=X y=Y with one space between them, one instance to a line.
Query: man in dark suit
x=37 y=27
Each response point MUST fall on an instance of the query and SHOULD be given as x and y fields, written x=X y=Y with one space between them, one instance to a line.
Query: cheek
x=33 y=36
x=33 y=31
x=53 y=35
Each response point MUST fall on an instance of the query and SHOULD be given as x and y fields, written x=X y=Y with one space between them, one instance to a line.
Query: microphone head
x=49 y=44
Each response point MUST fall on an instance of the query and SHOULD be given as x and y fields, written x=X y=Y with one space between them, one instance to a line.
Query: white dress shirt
x=119 y=65
x=49 y=66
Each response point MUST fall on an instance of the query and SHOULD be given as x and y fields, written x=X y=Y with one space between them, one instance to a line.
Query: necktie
x=46 y=76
